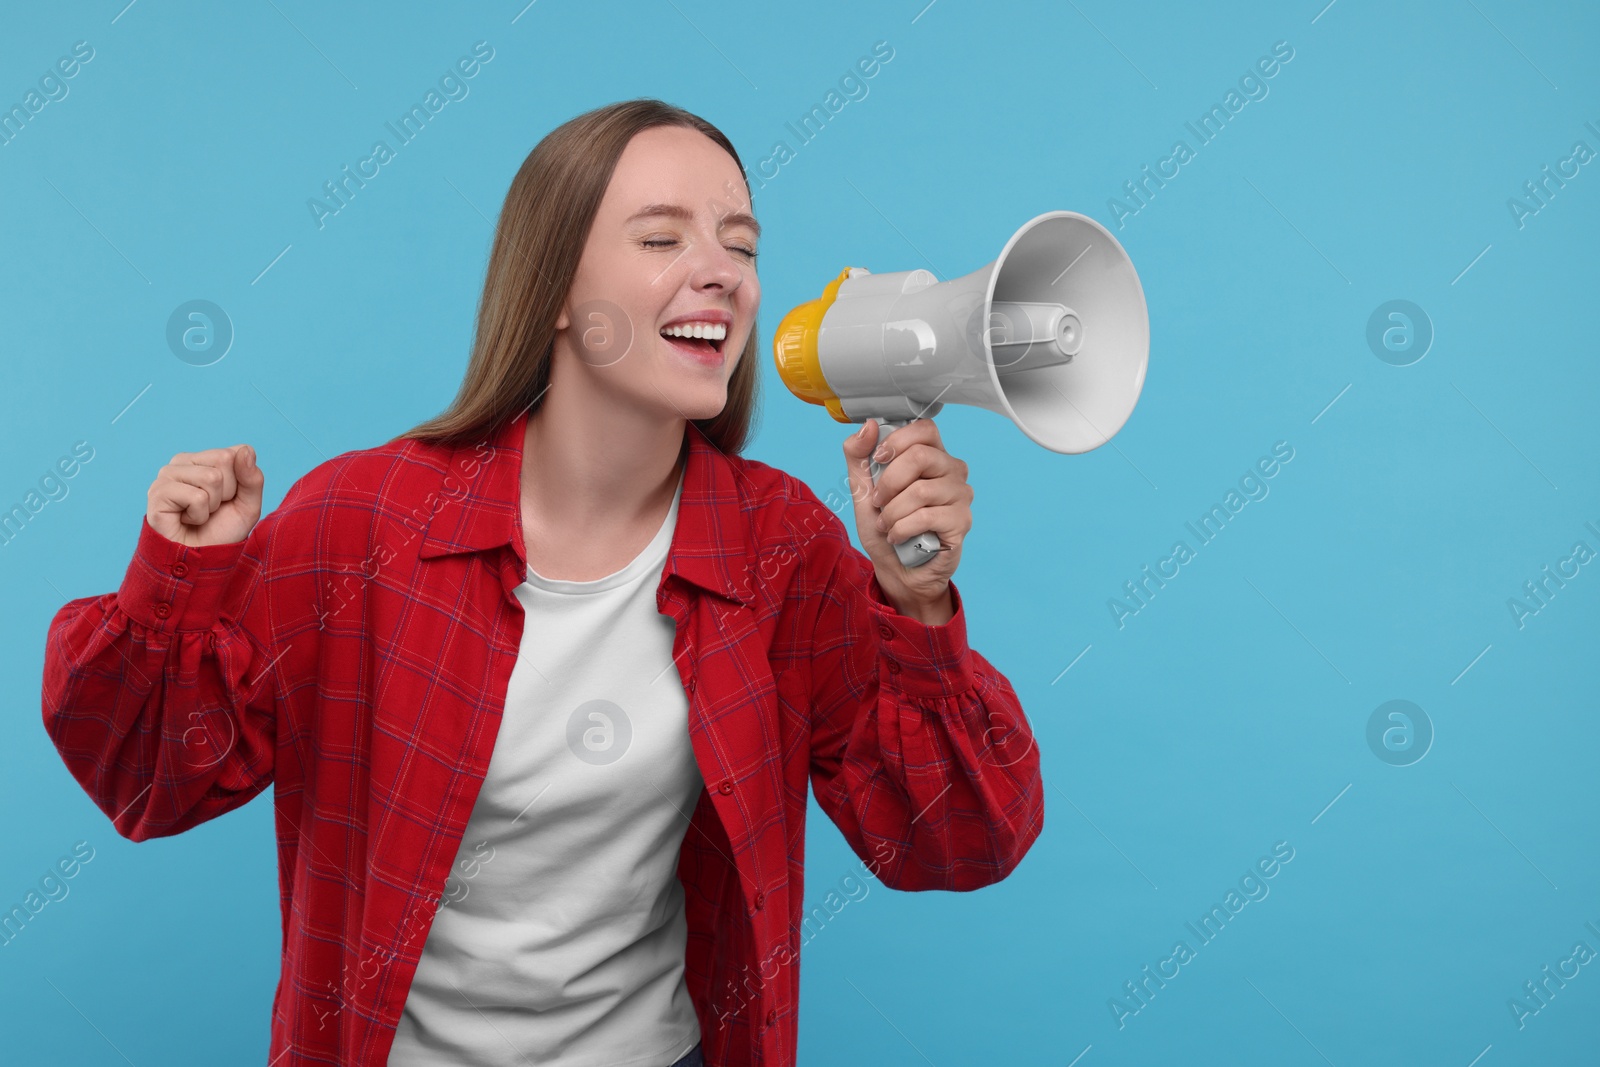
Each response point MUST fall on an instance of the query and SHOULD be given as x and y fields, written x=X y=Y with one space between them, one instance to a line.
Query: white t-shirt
x=562 y=936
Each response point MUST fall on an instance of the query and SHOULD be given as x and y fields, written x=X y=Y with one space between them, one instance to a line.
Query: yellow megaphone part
x=794 y=348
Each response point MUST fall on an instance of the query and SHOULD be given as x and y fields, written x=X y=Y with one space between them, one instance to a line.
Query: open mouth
x=702 y=340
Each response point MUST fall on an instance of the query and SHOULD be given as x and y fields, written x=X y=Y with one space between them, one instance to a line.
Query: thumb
x=858 y=449
x=859 y=445
x=250 y=478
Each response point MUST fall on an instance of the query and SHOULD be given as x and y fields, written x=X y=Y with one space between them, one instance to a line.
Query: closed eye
x=663 y=241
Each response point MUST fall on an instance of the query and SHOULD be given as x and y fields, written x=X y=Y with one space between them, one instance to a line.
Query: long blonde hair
x=543 y=226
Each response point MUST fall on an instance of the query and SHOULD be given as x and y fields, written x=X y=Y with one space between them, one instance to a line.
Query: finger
x=925 y=493
x=249 y=478
x=918 y=431
x=949 y=524
x=210 y=457
x=208 y=479
x=190 y=503
x=217 y=459
x=859 y=445
x=858 y=451
x=920 y=461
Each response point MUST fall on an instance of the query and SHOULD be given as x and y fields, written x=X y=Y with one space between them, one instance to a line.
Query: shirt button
x=894 y=667
x=162 y=610
x=179 y=569
x=772 y=1017
x=886 y=630
x=761 y=898
x=726 y=786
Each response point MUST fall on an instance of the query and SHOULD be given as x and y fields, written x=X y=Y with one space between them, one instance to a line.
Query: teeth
x=707 y=330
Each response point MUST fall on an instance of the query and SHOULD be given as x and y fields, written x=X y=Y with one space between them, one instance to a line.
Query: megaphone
x=1054 y=335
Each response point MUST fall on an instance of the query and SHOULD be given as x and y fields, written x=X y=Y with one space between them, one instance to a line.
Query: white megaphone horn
x=1054 y=335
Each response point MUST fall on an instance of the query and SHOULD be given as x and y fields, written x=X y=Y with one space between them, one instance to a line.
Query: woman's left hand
x=922 y=487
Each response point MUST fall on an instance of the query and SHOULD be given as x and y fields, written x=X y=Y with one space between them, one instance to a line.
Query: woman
x=540 y=684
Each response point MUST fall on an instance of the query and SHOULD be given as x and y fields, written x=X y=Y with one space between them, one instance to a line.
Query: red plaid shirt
x=354 y=652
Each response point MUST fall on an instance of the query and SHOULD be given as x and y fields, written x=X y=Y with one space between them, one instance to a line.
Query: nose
x=713 y=266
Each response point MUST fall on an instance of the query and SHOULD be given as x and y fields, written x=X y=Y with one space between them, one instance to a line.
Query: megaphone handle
x=923 y=547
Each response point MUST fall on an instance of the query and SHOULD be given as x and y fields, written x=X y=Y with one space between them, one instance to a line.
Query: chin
x=694 y=412
x=688 y=402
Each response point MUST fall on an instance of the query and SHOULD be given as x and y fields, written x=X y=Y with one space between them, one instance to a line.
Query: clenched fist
x=207 y=498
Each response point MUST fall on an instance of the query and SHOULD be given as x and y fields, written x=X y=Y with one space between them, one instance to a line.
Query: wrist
x=935 y=612
x=927 y=655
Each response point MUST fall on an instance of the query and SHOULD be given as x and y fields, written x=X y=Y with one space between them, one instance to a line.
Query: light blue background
x=1228 y=715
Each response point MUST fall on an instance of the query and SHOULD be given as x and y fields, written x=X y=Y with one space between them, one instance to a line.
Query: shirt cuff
x=922 y=660
x=171 y=586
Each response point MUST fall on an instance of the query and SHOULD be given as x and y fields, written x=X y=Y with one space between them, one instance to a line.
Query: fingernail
x=881 y=454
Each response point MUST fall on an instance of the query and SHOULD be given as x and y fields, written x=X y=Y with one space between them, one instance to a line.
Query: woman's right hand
x=207 y=498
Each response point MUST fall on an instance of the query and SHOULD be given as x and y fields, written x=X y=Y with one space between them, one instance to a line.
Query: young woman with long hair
x=540 y=684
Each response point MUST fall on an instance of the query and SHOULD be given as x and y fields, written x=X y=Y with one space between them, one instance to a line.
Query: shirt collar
x=481 y=510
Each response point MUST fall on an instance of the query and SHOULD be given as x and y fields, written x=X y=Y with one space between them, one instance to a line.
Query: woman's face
x=670 y=244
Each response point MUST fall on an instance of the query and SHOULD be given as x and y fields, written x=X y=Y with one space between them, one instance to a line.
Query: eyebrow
x=677 y=211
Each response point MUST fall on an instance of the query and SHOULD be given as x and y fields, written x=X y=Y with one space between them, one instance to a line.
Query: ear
x=563 y=320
